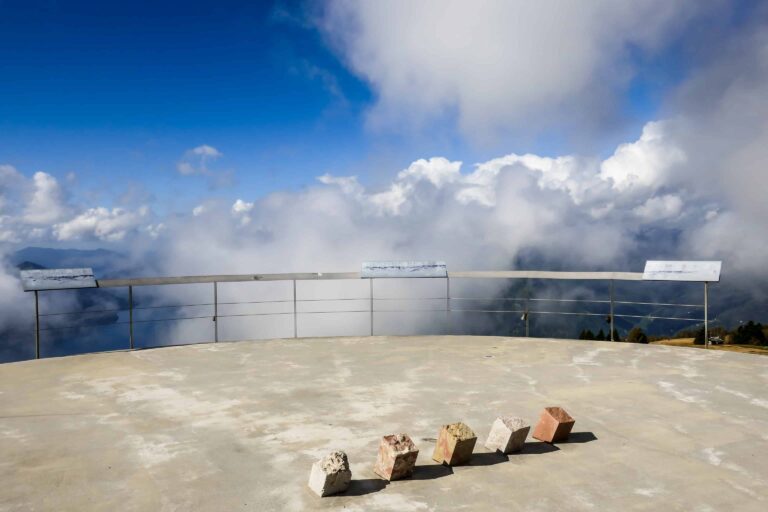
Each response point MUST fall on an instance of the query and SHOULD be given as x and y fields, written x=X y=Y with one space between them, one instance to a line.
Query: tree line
x=750 y=333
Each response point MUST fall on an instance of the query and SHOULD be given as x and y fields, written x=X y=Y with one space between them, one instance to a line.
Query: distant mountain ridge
x=105 y=263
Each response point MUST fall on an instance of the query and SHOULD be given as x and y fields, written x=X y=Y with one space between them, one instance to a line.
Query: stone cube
x=397 y=457
x=454 y=444
x=331 y=474
x=507 y=434
x=554 y=425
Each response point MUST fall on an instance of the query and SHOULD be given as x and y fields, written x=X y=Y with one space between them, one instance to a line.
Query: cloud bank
x=495 y=65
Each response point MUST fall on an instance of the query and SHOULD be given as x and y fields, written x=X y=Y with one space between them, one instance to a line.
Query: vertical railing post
x=37 y=326
x=612 y=328
x=215 y=312
x=130 y=317
x=448 y=302
x=295 y=323
x=706 y=314
x=526 y=313
x=370 y=280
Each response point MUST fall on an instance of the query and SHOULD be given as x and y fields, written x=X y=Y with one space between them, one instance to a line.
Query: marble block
x=507 y=434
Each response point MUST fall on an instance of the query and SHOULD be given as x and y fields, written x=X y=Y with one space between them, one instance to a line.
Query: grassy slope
x=688 y=342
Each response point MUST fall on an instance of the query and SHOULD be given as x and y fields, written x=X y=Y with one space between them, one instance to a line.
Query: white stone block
x=331 y=474
x=507 y=434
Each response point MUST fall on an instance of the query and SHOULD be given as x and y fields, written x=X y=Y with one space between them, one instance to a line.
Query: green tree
x=616 y=336
x=600 y=336
x=750 y=333
x=586 y=334
x=636 y=335
x=698 y=338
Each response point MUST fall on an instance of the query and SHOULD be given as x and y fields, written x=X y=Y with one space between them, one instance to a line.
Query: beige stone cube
x=331 y=474
x=455 y=443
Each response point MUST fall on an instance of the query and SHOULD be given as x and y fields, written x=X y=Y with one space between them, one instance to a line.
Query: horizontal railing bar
x=80 y=326
x=171 y=306
x=237 y=278
x=331 y=300
x=500 y=311
x=661 y=317
x=529 y=312
x=522 y=299
x=253 y=302
x=86 y=312
x=542 y=274
x=171 y=319
x=658 y=304
x=344 y=311
x=407 y=298
x=256 y=314
x=314 y=276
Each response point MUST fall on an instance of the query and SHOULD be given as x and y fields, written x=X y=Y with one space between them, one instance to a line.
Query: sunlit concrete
x=237 y=426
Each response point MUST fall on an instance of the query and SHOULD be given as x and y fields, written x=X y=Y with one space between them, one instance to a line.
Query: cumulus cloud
x=644 y=163
x=496 y=64
x=196 y=160
x=47 y=203
x=102 y=224
x=661 y=207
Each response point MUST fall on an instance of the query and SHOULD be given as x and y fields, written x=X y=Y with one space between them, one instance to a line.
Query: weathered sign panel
x=57 y=279
x=404 y=269
x=699 y=271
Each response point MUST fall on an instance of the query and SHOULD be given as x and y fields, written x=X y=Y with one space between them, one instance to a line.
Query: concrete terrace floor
x=237 y=426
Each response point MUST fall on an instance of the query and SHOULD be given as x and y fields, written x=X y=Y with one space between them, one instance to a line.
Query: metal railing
x=527 y=306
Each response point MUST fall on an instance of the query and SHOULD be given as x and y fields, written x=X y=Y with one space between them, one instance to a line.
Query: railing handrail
x=314 y=276
x=225 y=278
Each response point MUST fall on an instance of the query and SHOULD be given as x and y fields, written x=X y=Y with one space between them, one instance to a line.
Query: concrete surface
x=237 y=426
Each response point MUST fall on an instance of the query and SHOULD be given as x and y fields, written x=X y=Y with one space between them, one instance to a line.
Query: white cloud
x=660 y=207
x=241 y=206
x=644 y=163
x=154 y=230
x=240 y=210
x=100 y=223
x=195 y=160
x=498 y=63
x=47 y=203
x=206 y=150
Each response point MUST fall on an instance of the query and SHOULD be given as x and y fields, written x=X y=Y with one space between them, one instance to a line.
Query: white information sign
x=404 y=269
x=699 y=271
x=57 y=279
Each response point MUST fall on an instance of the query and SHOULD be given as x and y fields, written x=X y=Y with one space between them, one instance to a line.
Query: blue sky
x=118 y=92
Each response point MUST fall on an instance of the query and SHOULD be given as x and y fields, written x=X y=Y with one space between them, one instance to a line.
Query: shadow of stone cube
x=507 y=434
x=454 y=444
x=331 y=474
x=554 y=425
x=397 y=457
